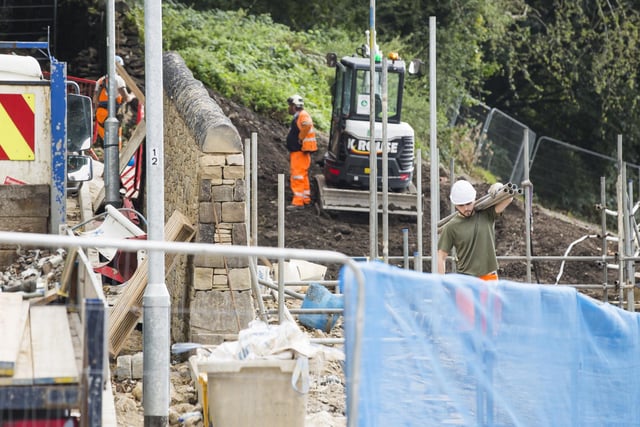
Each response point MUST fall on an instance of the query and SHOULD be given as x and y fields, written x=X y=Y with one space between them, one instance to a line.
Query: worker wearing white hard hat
x=471 y=232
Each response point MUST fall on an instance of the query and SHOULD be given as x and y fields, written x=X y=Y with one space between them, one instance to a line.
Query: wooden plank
x=54 y=360
x=127 y=310
x=24 y=200
x=23 y=373
x=13 y=320
x=131 y=84
x=67 y=271
x=23 y=224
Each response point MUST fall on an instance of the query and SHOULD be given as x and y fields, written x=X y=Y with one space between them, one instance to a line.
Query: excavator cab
x=344 y=182
x=346 y=162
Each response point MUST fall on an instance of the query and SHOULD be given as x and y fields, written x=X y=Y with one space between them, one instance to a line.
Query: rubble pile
x=34 y=272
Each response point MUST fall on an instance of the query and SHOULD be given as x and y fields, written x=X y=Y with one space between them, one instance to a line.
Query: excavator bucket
x=352 y=200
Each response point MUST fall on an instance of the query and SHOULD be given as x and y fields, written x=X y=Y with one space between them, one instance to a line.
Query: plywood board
x=13 y=319
x=23 y=372
x=127 y=310
x=54 y=359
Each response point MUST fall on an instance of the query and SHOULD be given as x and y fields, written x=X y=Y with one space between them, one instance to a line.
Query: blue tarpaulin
x=440 y=350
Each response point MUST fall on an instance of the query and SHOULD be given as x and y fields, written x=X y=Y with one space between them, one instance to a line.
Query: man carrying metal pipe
x=472 y=230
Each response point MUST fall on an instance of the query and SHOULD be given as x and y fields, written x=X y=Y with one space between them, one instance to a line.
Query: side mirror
x=417 y=68
x=332 y=59
x=79 y=123
x=79 y=168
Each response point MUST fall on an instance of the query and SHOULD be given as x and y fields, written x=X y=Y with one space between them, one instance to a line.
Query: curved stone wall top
x=212 y=128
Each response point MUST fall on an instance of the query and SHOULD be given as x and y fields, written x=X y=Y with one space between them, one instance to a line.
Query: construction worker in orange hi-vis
x=101 y=101
x=301 y=142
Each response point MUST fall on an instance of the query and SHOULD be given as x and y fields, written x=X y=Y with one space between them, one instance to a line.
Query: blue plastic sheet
x=441 y=350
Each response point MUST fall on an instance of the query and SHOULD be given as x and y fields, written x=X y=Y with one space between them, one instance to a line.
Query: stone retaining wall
x=204 y=179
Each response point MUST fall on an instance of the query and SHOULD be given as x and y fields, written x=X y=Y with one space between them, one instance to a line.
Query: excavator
x=344 y=182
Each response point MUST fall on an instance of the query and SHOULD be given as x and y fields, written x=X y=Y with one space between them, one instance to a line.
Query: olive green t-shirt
x=474 y=240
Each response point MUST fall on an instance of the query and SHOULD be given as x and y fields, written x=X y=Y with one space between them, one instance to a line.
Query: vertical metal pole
x=405 y=247
x=385 y=167
x=419 y=213
x=628 y=244
x=247 y=220
x=281 y=231
x=452 y=177
x=621 y=235
x=254 y=187
x=603 y=233
x=433 y=146
x=373 y=152
x=247 y=190
x=111 y=125
x=156 y=302
x=526 y=184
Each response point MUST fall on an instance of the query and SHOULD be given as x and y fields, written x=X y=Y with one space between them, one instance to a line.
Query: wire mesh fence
x=566 y=177
x=500 y=147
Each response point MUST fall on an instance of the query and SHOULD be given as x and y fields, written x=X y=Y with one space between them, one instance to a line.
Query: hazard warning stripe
x=17 y=121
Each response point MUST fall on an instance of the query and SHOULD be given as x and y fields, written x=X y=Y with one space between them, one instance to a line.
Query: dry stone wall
x=204 y=179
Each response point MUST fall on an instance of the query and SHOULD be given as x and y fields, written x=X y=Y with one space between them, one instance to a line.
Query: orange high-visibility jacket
x=302 y=135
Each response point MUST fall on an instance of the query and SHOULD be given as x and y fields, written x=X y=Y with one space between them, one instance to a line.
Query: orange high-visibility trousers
x=101 y=116
x=300 y=162
x=464 y=302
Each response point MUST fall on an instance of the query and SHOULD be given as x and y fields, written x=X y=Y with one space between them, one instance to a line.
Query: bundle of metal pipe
x=506 y=191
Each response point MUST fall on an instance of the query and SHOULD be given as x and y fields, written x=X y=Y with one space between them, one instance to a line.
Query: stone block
x=237 y=262
x=123 y=367
x=233 y=212
x=239 y=234
x=222 y=193
x=207 y=260
x=240 y=279
x=203 y=278
x=205 y=233
x=233 y=172
x=205 y=213
x=137 y=366
x=235 y=159
x=239 y=191
x=207 y=160
x=216 y=312
x=211 y=172
x=205 y=190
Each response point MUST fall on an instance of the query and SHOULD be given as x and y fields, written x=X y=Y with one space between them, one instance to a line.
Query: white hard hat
x=296 y=100
x=462 y=192
x=119 y=60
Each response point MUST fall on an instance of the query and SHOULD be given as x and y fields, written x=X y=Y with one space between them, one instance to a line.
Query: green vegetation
x=568 y=70
x=253 y=60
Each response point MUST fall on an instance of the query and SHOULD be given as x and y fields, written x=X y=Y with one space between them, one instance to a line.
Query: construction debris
x=34 y=272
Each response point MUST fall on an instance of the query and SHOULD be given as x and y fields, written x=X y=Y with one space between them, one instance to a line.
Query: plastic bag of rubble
x=283 y=341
